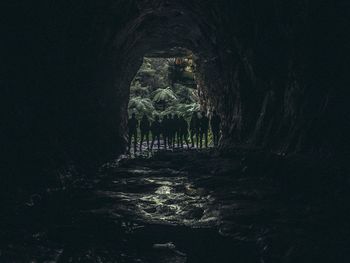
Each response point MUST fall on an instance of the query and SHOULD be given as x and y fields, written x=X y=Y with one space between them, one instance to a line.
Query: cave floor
x=181 y=206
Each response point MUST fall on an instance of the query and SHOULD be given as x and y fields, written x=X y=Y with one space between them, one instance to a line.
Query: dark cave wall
x=275 y=71
x=282 y=87
x=61 y=101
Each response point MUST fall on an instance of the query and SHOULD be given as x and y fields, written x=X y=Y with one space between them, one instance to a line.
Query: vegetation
x=164 y=86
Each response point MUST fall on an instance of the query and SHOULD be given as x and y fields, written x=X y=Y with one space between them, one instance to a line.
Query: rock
x=169 y=246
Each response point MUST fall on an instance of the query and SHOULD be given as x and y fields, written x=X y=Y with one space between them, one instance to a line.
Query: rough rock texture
x=186 y=206
x=274 y=70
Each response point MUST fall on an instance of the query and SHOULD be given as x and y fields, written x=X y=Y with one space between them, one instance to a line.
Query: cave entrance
x=164 y=86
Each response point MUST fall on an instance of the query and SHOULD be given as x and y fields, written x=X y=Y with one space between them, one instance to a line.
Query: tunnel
x=275 y=71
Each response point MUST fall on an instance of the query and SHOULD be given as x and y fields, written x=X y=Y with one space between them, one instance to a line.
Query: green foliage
x=187 y=76
x=158 y=89
x=139 y=106
x=182 y=109
x=137 y=90
x=164 y=95
x=185 y=94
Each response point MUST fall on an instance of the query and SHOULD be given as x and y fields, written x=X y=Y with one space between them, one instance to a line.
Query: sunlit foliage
x=164 y=86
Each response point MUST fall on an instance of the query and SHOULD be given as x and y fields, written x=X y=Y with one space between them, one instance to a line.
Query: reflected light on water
x=167 y=200
x=163 y=190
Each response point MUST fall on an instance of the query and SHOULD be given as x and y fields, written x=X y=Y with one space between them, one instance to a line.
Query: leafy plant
x=185 y=94
x=137 y=90
x=182 y=109
x=139 y=106
x=164 y=95
x=148 y=95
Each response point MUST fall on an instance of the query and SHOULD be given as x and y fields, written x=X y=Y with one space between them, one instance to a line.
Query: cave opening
x=167 y=86
x=164 y=85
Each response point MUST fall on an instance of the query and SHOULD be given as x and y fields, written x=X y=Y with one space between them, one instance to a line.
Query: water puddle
x=164 y=200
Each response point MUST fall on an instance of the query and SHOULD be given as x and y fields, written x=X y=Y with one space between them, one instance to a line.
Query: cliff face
x=275 y=72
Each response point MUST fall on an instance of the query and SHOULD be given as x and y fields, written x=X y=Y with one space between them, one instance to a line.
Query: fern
x=150 y=92
x=185 y=93
x=164 y=95
x=139 y=106
x=182 y=109
x=137 y=90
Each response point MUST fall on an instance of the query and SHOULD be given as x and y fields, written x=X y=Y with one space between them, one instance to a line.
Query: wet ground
x=176 y=206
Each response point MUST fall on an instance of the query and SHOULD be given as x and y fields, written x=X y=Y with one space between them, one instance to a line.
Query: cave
x=274 y=71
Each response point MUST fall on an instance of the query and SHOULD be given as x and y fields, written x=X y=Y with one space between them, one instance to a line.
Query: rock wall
x=274 y=70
